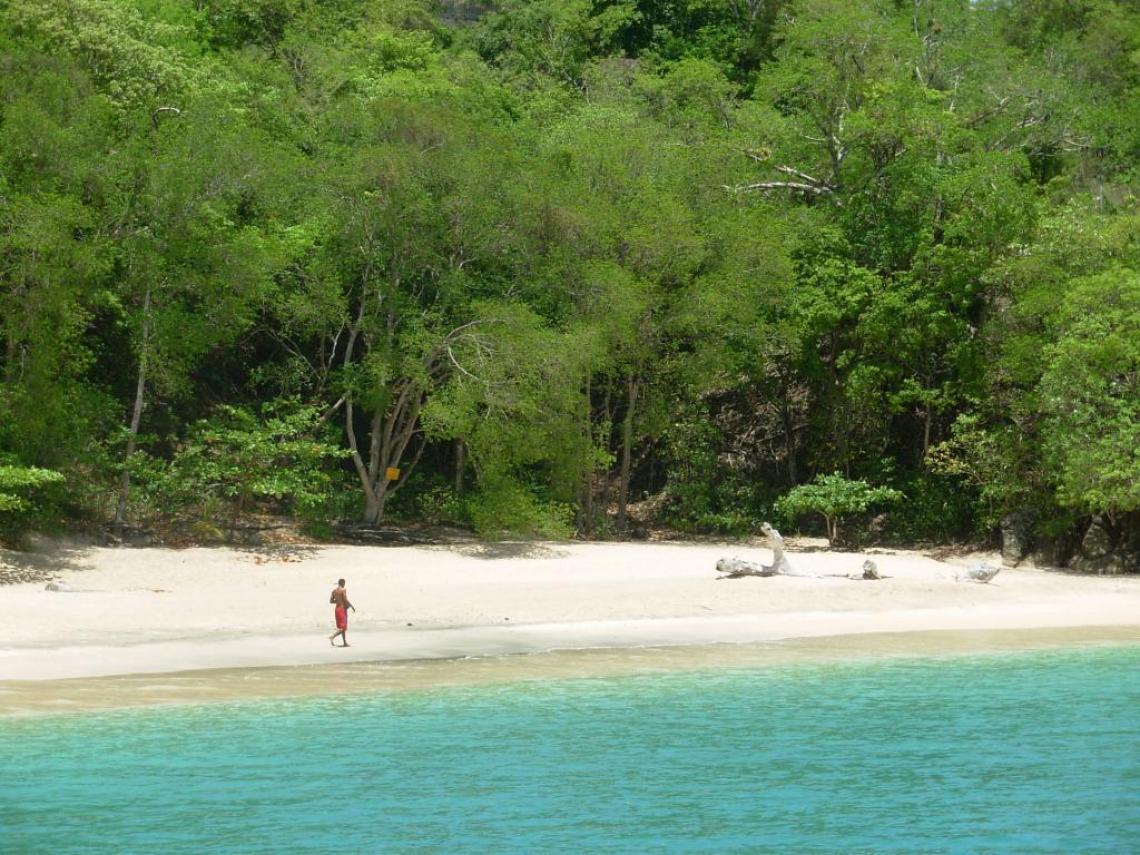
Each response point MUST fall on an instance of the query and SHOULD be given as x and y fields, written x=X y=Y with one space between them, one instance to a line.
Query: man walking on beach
x=339 y=598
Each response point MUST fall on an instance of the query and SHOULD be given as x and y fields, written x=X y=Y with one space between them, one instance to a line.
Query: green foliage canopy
x=17 y=481
x=833 y=497
x=569 y=263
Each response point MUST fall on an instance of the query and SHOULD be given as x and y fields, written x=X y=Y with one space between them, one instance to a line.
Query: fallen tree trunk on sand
x=870 y=574
x=982 y=573
x=737 y=568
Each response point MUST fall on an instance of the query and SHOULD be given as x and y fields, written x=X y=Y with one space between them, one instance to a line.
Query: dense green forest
x=571 y=266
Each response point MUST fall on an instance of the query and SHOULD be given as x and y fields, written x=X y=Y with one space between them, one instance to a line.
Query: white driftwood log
x=978 y=573
x=736 y=568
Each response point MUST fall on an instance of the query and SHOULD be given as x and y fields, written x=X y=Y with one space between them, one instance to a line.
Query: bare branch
x=394 y=452
x=799 y=186
x=787 y=170
x=357 y=460
x=987 y=113
x=462 y=370
x=407 y=470
x=158 y=110
x=329 y=412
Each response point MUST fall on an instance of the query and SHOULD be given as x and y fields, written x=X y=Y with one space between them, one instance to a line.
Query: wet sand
x=228 y=685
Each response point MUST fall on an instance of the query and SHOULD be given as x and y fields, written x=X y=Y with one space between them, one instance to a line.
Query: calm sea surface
x=1009 y=753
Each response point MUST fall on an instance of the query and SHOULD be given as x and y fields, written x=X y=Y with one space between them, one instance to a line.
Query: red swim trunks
x=341 y=618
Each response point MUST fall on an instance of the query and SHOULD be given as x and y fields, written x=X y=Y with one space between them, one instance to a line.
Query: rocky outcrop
x=1049 y=552
x=1016 y=537
x=1101 y=551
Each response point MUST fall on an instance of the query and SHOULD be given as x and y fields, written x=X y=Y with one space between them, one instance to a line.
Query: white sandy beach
x=136 y=611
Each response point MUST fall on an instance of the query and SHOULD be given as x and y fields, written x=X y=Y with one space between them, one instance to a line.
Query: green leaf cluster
x=834 y=497
x=17 y=481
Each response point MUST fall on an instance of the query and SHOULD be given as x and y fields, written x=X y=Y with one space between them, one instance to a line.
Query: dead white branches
x=806 y=183
x=736 y=568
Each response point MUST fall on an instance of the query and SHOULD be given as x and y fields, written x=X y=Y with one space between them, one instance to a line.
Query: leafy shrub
x=430 y=498
x=938 y=508
x=505 y=507
x=20 y=486
x=833 y=497
x=17 y=481
x=239 y=459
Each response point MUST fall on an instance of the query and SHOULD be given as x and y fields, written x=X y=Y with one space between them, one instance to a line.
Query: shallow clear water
x=1026 y=752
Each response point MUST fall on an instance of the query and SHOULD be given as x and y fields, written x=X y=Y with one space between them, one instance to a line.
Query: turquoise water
x=1027 y=752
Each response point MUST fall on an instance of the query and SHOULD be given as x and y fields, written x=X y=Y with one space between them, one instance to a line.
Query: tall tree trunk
x=626 y=452
x=389 y=434
x=608 y=421
x=789 y=437
x=586 y=514
x=136 y=419
x=372 y=508
x=460 y=463
x=11 y=349
x=927 y=419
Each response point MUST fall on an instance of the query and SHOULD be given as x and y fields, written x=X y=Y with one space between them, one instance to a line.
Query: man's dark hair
x=340 y=582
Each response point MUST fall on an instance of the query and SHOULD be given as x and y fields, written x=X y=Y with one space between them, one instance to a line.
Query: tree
x=17 y=481
x=1090 y=394
x=495 y=248
x=194 y=262
x=135 y=61
x=999 y=444
x=239 y=460
x=833 y=497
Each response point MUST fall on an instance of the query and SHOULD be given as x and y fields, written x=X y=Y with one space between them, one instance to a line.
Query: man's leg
x=340 y=616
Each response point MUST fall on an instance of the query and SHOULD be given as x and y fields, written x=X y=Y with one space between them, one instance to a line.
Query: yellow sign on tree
x=393 y=473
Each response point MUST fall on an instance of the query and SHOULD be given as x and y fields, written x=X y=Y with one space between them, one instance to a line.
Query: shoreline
x=21 y=699
x=220 y=651
x=159 y=611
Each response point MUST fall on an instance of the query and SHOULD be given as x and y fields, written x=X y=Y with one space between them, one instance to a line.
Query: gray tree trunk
x=587 y=503
x=136 y=420
x=460 y=462
x=626 y=454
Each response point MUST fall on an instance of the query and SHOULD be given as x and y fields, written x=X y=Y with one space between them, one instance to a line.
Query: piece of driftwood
x=736 y=568
x=869 y=573
x=982 y=573
x=780 y=562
